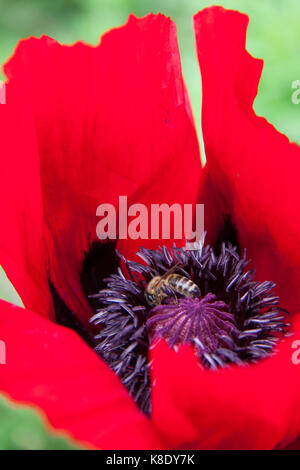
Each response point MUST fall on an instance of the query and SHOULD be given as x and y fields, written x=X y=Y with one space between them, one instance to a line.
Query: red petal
x=252 y=168
x=22 y=252
x=50 y=367
x=250 y=407
x=111 y=120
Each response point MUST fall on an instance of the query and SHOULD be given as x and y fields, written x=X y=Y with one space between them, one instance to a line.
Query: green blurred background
x=273 y=35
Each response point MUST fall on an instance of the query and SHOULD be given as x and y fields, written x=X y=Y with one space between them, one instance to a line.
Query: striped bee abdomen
x=183 y=285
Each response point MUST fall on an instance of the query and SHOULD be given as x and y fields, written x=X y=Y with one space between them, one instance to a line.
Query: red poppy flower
x=83 y=125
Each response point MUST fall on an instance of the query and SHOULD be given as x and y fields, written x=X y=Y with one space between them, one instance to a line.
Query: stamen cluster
x=235 y=320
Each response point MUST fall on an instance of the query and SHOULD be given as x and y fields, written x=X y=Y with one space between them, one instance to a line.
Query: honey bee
x=169 y=283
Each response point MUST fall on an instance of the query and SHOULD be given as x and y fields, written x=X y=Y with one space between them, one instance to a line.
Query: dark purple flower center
x=204 y=297
x=215 y=305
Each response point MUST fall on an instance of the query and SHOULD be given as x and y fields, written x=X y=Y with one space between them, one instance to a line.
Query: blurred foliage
x=22 y=428
x=272 y=35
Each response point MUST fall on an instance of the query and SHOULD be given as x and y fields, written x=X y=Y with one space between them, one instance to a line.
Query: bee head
x=151 y=293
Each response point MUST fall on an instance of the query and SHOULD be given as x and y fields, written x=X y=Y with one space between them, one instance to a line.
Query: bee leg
x=171 y=293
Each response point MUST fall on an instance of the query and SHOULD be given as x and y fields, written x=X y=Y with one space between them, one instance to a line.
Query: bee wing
x=173 y=269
